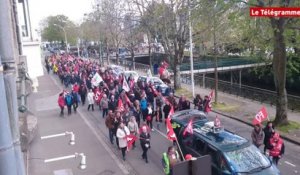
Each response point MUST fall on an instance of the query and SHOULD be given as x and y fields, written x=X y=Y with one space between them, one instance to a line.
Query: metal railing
x=131 y=65
x=249 y=92
x=221 y=63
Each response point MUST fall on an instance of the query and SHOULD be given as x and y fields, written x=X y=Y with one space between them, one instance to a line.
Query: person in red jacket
x=61 y=103
x=276 y=147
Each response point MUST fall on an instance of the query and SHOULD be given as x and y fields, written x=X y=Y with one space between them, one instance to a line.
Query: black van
x=231 y=154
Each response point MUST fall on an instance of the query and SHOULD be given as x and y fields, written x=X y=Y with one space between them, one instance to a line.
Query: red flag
x=170 y=132
x=120 y=105
x=161 y=70
x=154 y=90
x=127 y=99
x=209 y=100
x=217 y=122
x=98 y=96
x=260 y=116
x=130 y=140
x=189 y=128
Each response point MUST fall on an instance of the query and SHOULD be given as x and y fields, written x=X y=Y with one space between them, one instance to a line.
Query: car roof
x=183 y=117
x=224 y=140
x=130 y=72
x=144 y=78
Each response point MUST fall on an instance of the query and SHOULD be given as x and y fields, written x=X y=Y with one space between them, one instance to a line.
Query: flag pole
x=179 y=148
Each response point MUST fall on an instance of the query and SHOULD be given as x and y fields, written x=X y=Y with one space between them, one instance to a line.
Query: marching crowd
x=130 y=107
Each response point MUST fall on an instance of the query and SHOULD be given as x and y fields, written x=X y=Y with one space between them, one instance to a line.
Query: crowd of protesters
x=131 y=107
x=127 y=110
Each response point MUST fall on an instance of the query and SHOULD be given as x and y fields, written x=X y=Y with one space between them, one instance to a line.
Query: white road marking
x=289 y=163
x=164 y=135
x=103 y=143
x=113 y=156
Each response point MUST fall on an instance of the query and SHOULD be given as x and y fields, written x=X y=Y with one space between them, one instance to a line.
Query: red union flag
x=130 y=140
x=260 y=116
x=170 y=132
x=120 y=105
x=208 y=104
x=189 y=128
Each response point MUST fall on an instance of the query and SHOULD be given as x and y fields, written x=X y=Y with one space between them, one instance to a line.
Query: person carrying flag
x=169 y=159
x=207 y=102
x=122 y=133
x=257 y=135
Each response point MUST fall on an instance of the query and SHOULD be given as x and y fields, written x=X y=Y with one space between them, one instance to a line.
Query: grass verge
x=289 y=128
x=225 y=107
x=185 y=92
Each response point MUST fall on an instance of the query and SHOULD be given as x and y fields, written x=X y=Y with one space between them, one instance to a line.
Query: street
x=92 y=139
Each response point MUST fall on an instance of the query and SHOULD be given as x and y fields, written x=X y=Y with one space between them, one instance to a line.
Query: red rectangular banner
x=274 y=11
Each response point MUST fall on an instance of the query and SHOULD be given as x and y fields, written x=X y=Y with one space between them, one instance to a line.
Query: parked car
x=231 y=154
x=117 y=70
x=131 y=73
x=158 y=83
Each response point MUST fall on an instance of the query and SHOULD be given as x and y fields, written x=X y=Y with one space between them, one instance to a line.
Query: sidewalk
x=244 y=110
x=99 y=159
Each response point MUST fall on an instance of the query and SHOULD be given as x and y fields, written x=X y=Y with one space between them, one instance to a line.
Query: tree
x=51 y=31
x=170 y=21
x=132 y=34
x=148 y=21
x=112 y=13
x=212 y=25
x=272 y=36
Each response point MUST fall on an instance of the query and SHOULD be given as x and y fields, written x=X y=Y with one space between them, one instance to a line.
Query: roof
x=224 y=140
x=183 y=117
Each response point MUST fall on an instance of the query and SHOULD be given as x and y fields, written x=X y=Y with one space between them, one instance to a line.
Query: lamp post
x=66 y=40
x=191 y=50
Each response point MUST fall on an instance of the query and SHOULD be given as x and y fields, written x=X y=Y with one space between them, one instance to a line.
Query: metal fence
x=221 y=63
x=249 y=92
x=129 y=65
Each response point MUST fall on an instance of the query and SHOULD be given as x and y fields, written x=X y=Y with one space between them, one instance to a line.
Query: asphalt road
x=289 y=164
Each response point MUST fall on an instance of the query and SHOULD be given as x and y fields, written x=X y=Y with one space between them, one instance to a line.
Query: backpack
x=69 y=100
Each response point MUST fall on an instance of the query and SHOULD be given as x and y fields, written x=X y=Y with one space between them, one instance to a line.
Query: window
x=223 y=164
x=247 y=159
x=187 y=140
x=199 y=146
x=213 y=153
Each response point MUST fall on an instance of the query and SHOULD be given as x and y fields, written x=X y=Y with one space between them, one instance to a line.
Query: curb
x=249 y=124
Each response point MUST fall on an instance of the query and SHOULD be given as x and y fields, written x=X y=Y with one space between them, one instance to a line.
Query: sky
x=74 y=9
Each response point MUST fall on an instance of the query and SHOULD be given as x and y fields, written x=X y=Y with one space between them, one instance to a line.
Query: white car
x=131 y=73
x=116 y=69
x=158 y=83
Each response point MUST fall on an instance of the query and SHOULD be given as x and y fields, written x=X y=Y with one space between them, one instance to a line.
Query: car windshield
x=156 y=81
x=247 y=159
